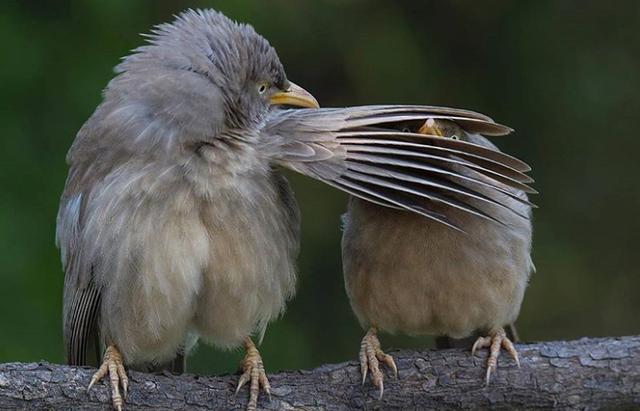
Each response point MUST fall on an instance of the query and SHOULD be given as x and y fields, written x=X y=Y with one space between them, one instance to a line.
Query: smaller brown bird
x=463 y=271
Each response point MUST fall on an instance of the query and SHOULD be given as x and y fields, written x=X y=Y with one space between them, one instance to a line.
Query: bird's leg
x=496 y=339
x=430 y=128
x=370 y=357
x=113 y=365
x=253 y=372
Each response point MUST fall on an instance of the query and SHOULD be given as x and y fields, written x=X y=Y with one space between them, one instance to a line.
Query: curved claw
x=253 y=372
x=371 y=355
x=481 y=342
x=496 y=340
x=511 y=349
x=381 y=388
x=364 y=370
x=244 y=378
x=112 y=364
x=388 y=361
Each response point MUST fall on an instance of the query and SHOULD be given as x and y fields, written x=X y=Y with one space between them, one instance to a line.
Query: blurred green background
x=564 y=74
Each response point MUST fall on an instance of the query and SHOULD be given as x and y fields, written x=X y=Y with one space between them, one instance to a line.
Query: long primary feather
x=358 y=150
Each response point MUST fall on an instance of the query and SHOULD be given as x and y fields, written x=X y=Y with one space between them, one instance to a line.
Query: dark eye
x=262 y=87
x=406 y=130
x=454 y=137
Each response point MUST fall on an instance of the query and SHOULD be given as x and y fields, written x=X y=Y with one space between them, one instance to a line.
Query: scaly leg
x=113 y=365
x=497 y=339
x=253 y=371
x=370 y=357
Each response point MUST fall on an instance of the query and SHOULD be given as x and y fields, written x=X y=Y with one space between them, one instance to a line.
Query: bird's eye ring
x=454 y=137
x=262 y=87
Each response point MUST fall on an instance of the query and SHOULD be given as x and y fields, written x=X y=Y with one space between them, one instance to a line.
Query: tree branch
x=587 y=373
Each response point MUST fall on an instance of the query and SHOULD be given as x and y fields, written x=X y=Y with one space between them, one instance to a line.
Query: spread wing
x=362 y=151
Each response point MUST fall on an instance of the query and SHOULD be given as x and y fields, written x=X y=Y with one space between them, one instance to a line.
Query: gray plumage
x=169 y=206
x=174 y=224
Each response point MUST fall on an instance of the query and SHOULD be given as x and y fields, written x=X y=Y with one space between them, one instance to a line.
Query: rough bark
x=582 y=374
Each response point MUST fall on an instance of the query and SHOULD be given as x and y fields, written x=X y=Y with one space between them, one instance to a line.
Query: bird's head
x=199 y=78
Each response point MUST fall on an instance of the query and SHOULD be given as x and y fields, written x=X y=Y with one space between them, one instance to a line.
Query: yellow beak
x=294 y=96
x=430 y=128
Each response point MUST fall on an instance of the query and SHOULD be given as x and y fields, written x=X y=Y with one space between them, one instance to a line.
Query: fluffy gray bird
x=174 y=224
x=417 y=276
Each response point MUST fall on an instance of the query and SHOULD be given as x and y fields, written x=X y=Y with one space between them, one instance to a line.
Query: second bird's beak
x=294 y=96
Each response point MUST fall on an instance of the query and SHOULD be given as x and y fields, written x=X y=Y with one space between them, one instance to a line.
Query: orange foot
x=370 y=357
x=253 y=371
x=112 y=364
x=497 y=339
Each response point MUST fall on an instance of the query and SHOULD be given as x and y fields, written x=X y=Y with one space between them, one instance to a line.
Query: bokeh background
x=564 y=74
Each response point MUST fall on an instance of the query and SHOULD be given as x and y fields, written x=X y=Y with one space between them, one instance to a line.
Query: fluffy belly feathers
x=218 y=269
x=425 y=279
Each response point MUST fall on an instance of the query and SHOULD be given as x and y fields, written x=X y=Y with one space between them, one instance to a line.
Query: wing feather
x=81 y=295
x=357 y=150
x=80 y=326
x=403 y=157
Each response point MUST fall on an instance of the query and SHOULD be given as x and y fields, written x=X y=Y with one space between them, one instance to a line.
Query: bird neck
x=226 y=162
